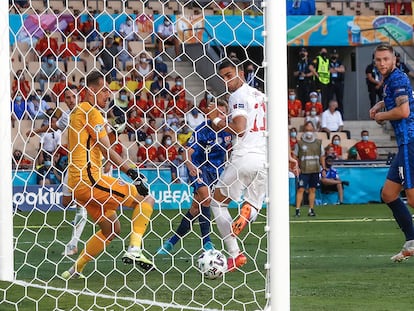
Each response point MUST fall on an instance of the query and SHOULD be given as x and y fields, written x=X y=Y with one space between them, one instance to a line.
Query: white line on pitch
x=342 y=220
x=92 y=294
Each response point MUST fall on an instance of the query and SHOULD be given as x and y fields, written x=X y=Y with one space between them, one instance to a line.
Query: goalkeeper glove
x=138 y=181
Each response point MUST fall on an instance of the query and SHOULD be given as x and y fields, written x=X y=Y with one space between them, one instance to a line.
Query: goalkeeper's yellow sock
x=93 y=247
x=141 y=216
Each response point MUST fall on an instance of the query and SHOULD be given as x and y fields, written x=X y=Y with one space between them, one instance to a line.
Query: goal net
x=162 y=86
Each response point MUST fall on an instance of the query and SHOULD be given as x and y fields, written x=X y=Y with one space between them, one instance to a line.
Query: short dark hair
x=235 y=63
x=94 y=77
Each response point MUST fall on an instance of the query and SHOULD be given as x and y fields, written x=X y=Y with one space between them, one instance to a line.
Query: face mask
x=314 y=100
x=179 y=157
x=50 y=61
x=313 y=113
x=333 y=58
x=293 y=134
x=292 y=97
x=82 y=84
x=168 y=142
x=302 y=55
x=309 y=135
x=18 y=98
x=209 y=96
x=336 y=142
x=323 y=55
x=129 y=23
x=178 y=83
x=143 y=60
x=167 y=23
x=174 y=128
x=47 y=163
x=124 y=97
x=365 y=138
x=148 y=141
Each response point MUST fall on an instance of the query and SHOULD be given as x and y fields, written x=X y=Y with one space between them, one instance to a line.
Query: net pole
x=278 y=212
x=6 y=211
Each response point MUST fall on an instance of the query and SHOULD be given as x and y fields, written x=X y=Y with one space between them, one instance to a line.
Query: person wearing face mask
x=20 y=84
x=205 y=101
x=166 y=152
x=118 y=107
x=166 y=35
x=250 y=76
x=322 y=76
x=303 y=76
x=144 y=68
x=18 y=108
x=314 y=118
x=147 y=153
x=194 y=118
x=336 y=146
x=49 y=72
x=336 y=87
x=367 y=150
x=313 y=103
x=294 y=105
x=309 y=152
x=293 y=138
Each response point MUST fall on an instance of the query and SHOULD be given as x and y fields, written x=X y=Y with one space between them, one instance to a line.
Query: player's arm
x=377 y=107
x=237 y=126
x=400 y=111
x=192 y=169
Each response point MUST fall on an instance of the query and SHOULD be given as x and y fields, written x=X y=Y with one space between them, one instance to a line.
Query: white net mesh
x=157 y=81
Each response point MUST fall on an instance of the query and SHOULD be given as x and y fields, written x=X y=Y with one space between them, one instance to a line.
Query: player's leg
x=391 y=196
x=78 y=222
x=204 y=215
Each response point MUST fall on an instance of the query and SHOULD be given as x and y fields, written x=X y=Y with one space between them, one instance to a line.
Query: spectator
x=233 y=56
x=125 y=53
x=91 y=31
x=151 y=128
x=194 y=118
x=157 y=110
x=300 y=7
x=403 y=66
x=18 y=108
x=58 y=90
x=330 y=180
x=47 y=46
x=367 y=150
x=313 y=102
x=178 y=90
x=398 y=7
x=147 y=153
x=330 y=151
x=128 y=29
x=332 y=120
x=205 y=102
x=180 y=175
x=49 y=141
x=134 y=126
x=20 y=84
x=166 y=153
x=140 y=104
x=320 y=70
x=144 y=68
x=309 y=152
x=20 y=162
x=166 y=34
x=81 y=89
x=251 y=76
x=160 y=86
x=47 y=173
x=337 y=148
x=184 y=134
x=161 y=68
x=49 y=72
x=70 y=51
x=314 y=118
x=133 y=82
x=303 y=77
x=37 y=107
x=107 y=57
x=118 y=107
x=336 y=87
x=374 y=82
x=294 y=105
x=293 y=138
x=180 y=105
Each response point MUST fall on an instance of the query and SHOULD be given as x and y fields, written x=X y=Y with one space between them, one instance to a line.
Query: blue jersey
x=397 y=84
x=210 y=148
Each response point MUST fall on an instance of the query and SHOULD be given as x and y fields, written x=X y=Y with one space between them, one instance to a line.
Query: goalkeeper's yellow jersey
x=86 y=125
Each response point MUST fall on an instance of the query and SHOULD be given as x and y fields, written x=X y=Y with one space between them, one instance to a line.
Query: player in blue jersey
x=397 y=107
x=205 y=157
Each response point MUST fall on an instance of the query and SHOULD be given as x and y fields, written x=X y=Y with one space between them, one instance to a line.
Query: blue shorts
x=308 y=180
x=207 y=178
x=402 y=168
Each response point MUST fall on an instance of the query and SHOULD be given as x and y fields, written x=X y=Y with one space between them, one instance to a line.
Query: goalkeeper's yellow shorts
x=104 y=198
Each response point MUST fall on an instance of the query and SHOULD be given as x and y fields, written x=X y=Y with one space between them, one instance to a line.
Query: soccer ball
x=212 y=263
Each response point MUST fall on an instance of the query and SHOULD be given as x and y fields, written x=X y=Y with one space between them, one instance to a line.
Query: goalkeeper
x=102 y=195
x=205 y=157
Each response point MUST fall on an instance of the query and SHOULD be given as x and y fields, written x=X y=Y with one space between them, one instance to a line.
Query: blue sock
x=204 y=221
x=403 y=218
x=183 y=228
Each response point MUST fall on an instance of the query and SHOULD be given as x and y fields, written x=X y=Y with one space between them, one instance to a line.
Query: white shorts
x=65 y=189
x=245 y=178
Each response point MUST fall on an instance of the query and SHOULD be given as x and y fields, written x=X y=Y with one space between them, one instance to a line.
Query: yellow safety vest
x=323 y=70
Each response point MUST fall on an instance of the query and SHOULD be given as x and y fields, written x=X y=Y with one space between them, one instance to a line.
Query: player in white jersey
x=80 y=219
x=245 y=176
